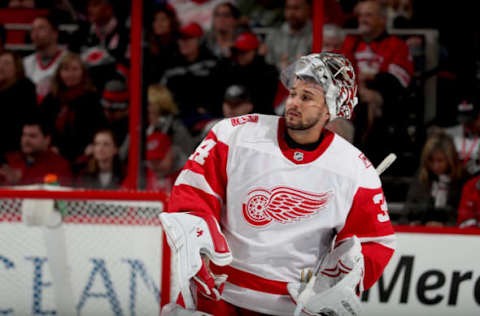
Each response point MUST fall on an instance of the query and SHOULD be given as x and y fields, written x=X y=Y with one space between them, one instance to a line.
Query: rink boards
x=85 y=269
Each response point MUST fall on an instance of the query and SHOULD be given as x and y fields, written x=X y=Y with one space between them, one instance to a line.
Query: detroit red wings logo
x=282 y=204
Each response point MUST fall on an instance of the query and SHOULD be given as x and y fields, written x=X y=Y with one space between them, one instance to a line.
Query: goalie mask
x=334 y=73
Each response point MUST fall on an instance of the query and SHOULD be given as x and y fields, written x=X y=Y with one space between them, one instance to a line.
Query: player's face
x=438 y=163
x=305 y=107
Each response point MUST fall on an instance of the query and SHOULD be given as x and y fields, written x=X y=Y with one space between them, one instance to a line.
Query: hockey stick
x=386 y=163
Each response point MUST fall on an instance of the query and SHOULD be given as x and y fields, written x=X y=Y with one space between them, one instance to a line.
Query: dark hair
x=35 y=119
x=52 y=19
x=17 y=60
x=109 y=131
x=233 y=9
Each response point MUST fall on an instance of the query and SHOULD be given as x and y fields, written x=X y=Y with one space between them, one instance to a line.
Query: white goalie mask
x=334 y=73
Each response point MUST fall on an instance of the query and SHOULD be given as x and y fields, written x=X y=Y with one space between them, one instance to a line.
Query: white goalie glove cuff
x=189 y=235
x=333 y=290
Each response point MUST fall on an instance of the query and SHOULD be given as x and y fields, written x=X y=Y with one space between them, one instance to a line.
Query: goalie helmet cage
x=82 y=253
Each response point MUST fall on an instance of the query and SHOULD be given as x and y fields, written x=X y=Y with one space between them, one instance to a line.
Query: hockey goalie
x=278 y=215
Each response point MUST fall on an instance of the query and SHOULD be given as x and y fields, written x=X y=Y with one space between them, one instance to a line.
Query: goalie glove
x=190 y=235
x=333 y=289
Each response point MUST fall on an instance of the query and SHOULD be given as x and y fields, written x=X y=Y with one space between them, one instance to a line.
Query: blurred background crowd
x=64 y=89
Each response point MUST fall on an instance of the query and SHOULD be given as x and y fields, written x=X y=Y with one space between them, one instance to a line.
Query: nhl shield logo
x=298 y=156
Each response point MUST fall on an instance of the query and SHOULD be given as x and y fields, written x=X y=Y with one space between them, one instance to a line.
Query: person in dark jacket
x=17 y=95
x=434 y=194
x=73 y=108
x=195 y=71
x=248 y=69
x=103 y=169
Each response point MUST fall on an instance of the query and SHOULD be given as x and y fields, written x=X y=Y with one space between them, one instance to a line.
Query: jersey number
x=380 y=199
x=202 y=151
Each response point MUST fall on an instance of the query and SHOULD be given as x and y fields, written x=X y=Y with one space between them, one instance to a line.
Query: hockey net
x=80 y=252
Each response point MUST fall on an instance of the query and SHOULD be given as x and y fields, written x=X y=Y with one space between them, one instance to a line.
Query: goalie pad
x=190 y=235
x=334 y=289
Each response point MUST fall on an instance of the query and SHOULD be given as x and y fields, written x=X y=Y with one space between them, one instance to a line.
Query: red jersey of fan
x=387 y=53
x=280 y=208
x=469 y=208
x=34 y=172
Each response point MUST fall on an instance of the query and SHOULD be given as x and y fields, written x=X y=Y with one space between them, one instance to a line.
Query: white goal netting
x=80 y=256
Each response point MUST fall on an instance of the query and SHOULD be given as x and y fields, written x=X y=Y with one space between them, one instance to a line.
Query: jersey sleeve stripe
x=196 y=180
x=389 y=241
x=188 y=198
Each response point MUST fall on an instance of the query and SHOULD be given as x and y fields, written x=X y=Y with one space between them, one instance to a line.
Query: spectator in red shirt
x=469 y=208
x=161 y=167
x=384 y=67
x=35 y=159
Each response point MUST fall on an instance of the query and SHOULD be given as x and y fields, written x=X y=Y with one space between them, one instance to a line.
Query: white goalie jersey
x=280 y=208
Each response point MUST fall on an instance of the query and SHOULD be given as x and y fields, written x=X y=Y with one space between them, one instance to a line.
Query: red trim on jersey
x=307 y=156
x=364 y=221
x=213 y=168
x=376 y=258
x=188 y=198
x=52 y=61
x=251 y=281
x=219 y=241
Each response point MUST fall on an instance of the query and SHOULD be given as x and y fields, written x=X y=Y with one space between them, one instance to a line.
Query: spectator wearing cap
x=293 y=38
x=17 y=95
x=35 y=159
x=236 y=101
x=249 y=69
x=115 y=103
x=72 y=108
x=191 y=80
x=466 y=136
x=163 y=33
x=162 y=167
x=105 y=31
x=225 y=28
x=103 y=169
x=41 y=66
x=162 y=117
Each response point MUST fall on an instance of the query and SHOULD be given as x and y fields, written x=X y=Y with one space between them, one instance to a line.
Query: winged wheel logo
x=283 y=205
